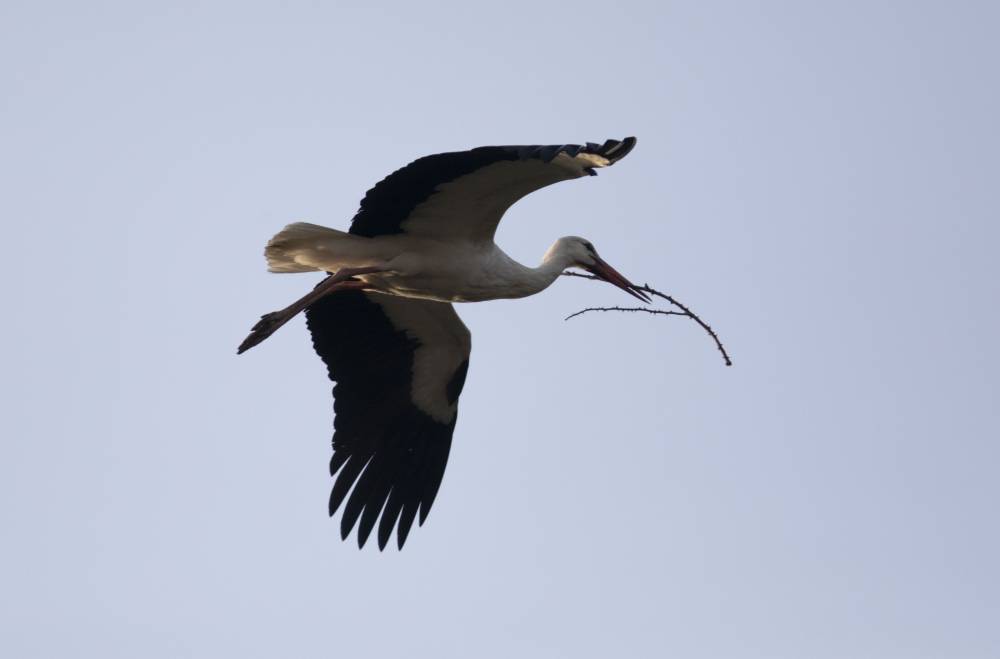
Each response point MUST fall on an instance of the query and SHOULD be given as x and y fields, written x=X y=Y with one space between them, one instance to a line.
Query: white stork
x=383 y=321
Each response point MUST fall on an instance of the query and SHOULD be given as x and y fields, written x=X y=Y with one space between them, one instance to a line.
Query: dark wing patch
x=391 y=452
x=387 y=205
x=457 y=382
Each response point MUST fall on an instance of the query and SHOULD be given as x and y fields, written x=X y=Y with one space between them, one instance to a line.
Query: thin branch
x=659 y=311
x=684 y=311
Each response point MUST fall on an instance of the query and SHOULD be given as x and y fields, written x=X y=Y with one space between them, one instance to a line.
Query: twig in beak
x=684 y=311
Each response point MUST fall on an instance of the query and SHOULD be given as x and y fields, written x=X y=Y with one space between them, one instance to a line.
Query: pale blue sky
x=818 y=180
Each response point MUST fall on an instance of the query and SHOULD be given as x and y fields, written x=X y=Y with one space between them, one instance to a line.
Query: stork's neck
x=536 y=280
x=499 y=276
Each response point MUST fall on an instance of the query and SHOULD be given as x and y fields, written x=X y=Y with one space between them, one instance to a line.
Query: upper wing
x=463 y=195
x=399 y=365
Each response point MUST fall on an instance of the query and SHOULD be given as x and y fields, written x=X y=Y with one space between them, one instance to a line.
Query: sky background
x=818 y=180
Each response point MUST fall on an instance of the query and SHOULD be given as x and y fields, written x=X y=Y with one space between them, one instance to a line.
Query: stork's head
x=579 y=252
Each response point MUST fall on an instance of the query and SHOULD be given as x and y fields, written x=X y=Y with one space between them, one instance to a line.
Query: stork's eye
x=589 y=246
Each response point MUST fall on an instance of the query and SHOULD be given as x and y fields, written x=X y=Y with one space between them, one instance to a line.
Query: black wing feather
x=387 y=205
x=391 y=452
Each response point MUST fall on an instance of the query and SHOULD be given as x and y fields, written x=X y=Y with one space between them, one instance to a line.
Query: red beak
x=604 y=271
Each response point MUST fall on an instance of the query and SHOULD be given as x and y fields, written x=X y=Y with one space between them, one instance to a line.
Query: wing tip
x=615 y=150
x=594 y=156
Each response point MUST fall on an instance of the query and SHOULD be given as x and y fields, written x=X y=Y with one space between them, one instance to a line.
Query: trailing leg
x=270 y=322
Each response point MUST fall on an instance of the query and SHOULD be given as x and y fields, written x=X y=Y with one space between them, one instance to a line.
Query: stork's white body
x=415 y=267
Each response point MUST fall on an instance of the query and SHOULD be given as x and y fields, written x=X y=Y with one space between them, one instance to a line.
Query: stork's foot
x=266 y=321
x=265 y=327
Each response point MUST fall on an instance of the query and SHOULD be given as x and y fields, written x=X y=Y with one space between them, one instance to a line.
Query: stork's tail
x=302 y=247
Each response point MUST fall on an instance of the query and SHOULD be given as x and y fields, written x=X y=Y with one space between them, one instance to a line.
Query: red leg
x=270 y=322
